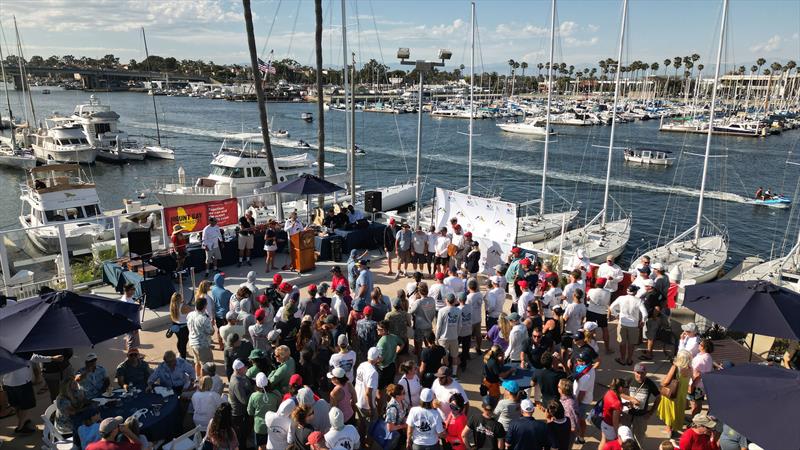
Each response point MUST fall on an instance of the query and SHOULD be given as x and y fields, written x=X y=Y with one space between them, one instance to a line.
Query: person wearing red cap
x=389 y=238
x=310 y=305
x=316 y=441
x=526 y=297
x=366 y=333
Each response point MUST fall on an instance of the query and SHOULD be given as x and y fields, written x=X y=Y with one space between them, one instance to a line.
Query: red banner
x=194 y=217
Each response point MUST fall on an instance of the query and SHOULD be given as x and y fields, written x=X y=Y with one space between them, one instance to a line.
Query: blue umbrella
x=757 y=307
x=10 y=362
x=760 y=402
x=64 y=319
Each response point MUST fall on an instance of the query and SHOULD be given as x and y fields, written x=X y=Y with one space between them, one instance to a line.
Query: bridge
x=98 y=78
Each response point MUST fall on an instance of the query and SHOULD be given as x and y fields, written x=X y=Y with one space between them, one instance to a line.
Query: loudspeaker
x=139 y=242
x=373 y=201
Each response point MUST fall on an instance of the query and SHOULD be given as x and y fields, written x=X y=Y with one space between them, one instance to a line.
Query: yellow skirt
x=672 y=410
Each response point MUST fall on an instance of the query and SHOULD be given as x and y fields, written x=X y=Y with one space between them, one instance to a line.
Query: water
x=662 y=201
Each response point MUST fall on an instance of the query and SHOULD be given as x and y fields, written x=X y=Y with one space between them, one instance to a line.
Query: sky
x=588 y=30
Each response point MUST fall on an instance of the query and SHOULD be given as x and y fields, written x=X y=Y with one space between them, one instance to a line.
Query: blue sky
x=588 y=29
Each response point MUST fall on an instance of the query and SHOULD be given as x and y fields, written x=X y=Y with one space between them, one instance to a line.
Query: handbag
x=670 y=390
x=452 y=250
x=596 y=415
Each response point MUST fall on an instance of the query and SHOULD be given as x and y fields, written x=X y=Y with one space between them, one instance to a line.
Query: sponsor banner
x=493 y=223
x=194 y=217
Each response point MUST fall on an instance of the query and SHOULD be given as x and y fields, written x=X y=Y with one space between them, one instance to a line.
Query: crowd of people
x=343 y=365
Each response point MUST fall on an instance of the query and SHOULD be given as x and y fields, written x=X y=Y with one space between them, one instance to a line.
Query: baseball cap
x=633 y=289
x=392 y=221
x=238 y=364
x=285 y=287
x=439 y=276
x=443 y=372
x=586 y=356
x=527 y=406
x=610 y=258
x=340 y=289
x=337 y=372
x=317 y=437
x=231 y=315
x=522 y=284
x=641 y=368
x=368 y=311
x=525 y=262
x=274 y=335
x=261 y=299
x=516 y=250
x=426 y=395
x=510 y=386
x=330 y=319
x=110 y=424
x=260 y=314
x=312 y=288
x=363 y=262
x=342 y=340
x=468 y=234
x=374 y=353
x=296 y=380
x=513 y=317
x=691 y=327
x=704 y=420
x=648 y=283
x=590 y=326
x=624 y=433
x=261 y=380
x=657 y=266
x=91 y=357
x=277 y=278
x=405 y=225
x=498 y=268
x=257 y=353
x=336 y=269
x=307 y=318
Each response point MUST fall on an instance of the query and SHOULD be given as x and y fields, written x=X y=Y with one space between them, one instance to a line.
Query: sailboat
x=701 y=258
x=11 y=155
x=157 y=151
x=599 y=238
x=784 y=271
x=541 y=226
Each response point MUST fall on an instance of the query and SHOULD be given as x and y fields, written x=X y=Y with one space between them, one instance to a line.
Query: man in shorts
x=631 y=313
x=18 y=386
x=448 y=322
x=402 y=248
x=419 y=247
x=212 y=244
x=247 y=226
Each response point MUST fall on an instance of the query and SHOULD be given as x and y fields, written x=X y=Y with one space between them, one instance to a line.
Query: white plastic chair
x=51 y=438
x=187 y=441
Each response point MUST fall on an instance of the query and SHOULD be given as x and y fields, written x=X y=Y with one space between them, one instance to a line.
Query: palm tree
x=667 y=63
x=760 y=62
x=511 y=63
x=776 y=67
x=524 y=66
x=262 y=107
x=540 y=66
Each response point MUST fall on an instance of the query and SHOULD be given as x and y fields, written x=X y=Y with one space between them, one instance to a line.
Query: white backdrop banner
x=493 y=223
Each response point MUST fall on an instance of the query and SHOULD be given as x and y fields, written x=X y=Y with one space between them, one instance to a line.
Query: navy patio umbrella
x=306 y=184
x=64 y=319
x=760 y=402
x=10 y=362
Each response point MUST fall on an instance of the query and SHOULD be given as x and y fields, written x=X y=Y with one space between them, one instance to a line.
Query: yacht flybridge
x=62 y=143
x=60 y=194
x=101 y=126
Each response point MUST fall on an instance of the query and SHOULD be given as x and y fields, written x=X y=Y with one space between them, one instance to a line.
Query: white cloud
x=575 y=42
x=446 y=30
x=592 y=28
x=567 y=28
x=770 y=45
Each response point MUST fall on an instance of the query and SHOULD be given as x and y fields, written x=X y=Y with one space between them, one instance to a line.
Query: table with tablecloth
x=521 y=376
x=364 y=238
x=324 y=246
x=157 y=289
x=164 y=426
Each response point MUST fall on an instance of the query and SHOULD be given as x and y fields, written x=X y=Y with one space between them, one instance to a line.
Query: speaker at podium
x=303 y=255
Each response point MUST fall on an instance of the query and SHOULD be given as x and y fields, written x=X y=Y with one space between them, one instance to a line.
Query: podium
x=303 y=255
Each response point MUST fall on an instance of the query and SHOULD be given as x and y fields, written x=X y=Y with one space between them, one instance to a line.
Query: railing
x=29 y=290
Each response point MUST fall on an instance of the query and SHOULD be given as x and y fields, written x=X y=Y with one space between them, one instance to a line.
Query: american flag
x=266 y=67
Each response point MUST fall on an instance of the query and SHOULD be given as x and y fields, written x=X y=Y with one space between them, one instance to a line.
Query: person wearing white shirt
x=643 y=266
x=551 y=298
x=689 y=339
x=442 y=261
x=367 y=385
x=475 y=301
x=345 y=358
x=212 y=243
x=454 y=282
x=517 y=340
x=205 y=402
x=523 y=300
x=280 y=426
x=498 y=278
x=132 y=338
x=339 y=306
x=439 y=291
x=631 y=313
x=431 y=247
x=18 y=386
x=341 y=435
x=640 y=281
x=583 y=388
x=425 y=425
x=494 y=299
x=612 y=273
x=447 y=327
x=292 y=226
x=575 y=282
x=444 y=387
x=580 y=261
x=575 y=312
x=597 y=300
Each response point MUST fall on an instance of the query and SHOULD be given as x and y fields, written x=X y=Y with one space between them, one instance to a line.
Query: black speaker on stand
x=373 y=202
x=141 y=248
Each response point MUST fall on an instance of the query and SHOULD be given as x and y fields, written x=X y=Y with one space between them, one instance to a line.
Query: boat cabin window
x=92 y=210
x=230 y=172
x=100 y=128
x=258 y=172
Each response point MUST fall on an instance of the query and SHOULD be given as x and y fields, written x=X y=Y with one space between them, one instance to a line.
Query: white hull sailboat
x=700 y=258
x=157 y=151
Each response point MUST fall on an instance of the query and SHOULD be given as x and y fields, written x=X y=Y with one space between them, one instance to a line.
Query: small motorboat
x=307 y=116
x=777 y=201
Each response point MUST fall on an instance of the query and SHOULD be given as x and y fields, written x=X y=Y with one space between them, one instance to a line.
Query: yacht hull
x=537 y=228
x=86 y=156
x=787 y=276
x=700 y=262
x=17 y=161
x=597 y=241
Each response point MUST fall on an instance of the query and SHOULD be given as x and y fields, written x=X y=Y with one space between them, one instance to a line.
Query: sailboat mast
x=23 y=75
x=8 y=100
x=471 y=99
x=352 y=167
x=711 y=119
x=350 y=152
x=150 y=83
x=549 y=103
x=614 y=109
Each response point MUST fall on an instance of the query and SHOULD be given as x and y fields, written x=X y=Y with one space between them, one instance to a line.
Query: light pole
x=422 y=66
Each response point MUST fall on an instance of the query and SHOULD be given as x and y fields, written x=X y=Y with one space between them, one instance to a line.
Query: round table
x=164 y=426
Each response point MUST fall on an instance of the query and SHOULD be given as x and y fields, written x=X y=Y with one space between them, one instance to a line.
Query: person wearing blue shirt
x=364 y=283
x=174 y=373
x=527 y=433
x=89 y=431
x=93 y=378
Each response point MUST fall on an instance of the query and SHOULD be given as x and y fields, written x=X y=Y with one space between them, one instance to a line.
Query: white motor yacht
x=11 y=155
x=648 y=156
x=532 y=126
x=64 y=143
x=101 y=126
x=60 y=194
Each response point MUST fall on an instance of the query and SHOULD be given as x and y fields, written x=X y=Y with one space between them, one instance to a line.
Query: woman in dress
x=671 y=410
x=177 y=313
x=270 y=246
